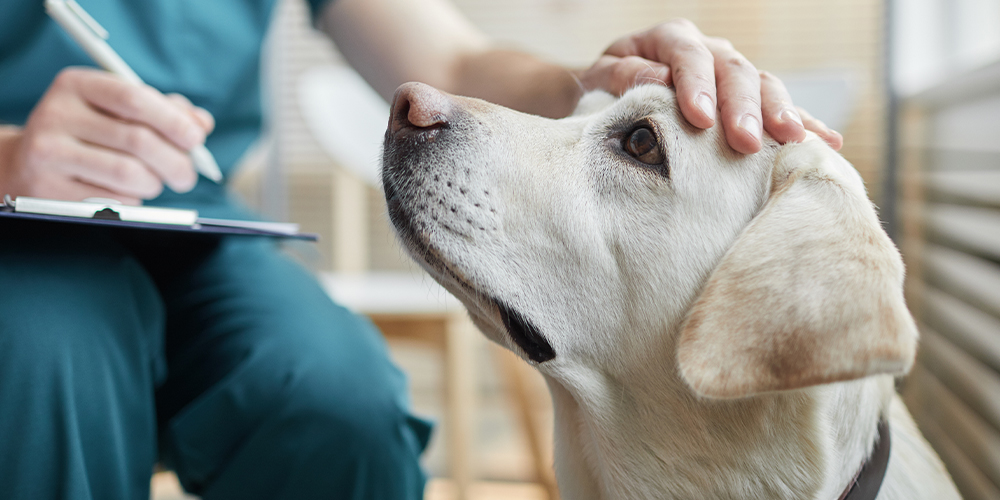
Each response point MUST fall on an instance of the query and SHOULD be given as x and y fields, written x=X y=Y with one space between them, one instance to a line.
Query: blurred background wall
x=936 y=40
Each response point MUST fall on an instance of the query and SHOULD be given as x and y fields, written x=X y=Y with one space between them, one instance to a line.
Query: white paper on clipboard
x=111 y=212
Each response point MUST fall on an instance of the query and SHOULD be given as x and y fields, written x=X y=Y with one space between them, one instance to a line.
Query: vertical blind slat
x=972 y=229
x=970 y=329
x=966 y=377
x=974 y=280
x=979 y=442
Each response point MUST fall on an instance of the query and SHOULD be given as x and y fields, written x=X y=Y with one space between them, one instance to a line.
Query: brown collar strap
x=867 y=482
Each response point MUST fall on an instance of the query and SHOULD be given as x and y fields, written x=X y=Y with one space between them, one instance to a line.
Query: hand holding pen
x=91 y=37
x=94 y=134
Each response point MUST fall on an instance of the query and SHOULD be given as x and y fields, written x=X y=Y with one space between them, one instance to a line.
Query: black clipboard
x=109 y=213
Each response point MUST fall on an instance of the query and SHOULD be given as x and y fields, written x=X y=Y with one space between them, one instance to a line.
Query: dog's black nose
x=418 y=108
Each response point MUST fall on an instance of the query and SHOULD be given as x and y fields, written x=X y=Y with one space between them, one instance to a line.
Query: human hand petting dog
x=708 y=75
x=94 y=135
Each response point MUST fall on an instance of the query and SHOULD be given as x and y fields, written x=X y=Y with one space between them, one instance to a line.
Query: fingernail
x=790 y=115
x=837 y=137
x=185 y=185
x=705 y=103
x=204 y=115
x=751 y=124
x=194 y=136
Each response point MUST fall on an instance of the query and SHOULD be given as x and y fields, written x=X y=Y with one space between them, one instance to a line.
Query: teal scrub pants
x=219 y=358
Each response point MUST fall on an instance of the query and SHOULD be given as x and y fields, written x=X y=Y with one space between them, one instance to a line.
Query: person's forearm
x=517 y=80
x=391 y=42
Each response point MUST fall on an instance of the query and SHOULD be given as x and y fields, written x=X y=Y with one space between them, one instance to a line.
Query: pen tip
x=205 y=163
x=215 y=176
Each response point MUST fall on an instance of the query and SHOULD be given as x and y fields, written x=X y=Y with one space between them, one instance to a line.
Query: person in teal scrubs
x=220 y=358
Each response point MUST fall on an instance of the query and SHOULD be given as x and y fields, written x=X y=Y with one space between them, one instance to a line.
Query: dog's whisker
x=648 y=79
x=579 y=83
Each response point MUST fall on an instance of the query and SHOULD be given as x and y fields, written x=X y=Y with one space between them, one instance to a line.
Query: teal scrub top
x=206 y=50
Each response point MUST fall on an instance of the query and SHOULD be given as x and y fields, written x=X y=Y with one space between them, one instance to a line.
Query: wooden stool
x=414 y=307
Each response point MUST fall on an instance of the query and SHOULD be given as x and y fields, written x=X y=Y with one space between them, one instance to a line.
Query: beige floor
x=165 y=487
x=504 y=465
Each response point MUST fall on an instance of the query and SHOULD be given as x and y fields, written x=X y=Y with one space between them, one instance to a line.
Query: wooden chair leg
x=515 y=373
x=461 y=385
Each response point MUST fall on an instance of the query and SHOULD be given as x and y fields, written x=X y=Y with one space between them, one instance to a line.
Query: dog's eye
x=642 y=145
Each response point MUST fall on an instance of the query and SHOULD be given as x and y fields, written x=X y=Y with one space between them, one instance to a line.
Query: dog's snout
x=418 y=108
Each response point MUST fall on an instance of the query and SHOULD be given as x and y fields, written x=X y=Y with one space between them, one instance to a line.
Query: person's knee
x=364 y=416
x=321 y=408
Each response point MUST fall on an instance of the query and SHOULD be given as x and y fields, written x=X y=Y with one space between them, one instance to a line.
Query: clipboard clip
x=8 y=203
x=107 y=214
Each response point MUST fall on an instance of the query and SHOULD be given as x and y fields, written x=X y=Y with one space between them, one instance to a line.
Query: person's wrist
x=566 y=91
x=10 y=137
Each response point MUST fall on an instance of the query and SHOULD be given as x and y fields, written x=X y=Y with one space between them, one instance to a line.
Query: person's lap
x=81 y=329
x=270 y=390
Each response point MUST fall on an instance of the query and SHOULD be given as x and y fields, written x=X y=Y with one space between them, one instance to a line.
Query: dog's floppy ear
x=810 y=293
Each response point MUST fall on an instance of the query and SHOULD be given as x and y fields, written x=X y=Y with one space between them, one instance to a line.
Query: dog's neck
x=648 y=436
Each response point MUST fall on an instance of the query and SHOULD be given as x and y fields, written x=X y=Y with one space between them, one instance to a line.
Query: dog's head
x=622 y=236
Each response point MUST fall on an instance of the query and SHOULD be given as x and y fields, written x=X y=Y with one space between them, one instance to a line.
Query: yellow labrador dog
x=710 y=324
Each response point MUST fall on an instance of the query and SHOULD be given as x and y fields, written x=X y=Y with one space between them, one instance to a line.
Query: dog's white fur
x=725 y=327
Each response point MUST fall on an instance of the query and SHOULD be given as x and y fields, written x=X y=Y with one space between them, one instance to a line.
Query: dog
x=709 y=324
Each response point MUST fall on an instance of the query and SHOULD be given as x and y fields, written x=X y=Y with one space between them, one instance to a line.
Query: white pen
x=91 y=36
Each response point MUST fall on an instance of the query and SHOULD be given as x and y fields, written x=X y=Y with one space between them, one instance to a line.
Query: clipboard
x=111 y=213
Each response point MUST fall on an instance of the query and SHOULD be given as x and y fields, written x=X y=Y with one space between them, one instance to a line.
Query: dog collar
x=868 y=480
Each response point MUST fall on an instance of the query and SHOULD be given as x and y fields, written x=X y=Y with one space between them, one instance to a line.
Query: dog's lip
x=520 y=329
x=525 y=334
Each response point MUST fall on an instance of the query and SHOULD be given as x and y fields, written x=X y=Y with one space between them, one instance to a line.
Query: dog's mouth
x=525 y=334
x=520 y=329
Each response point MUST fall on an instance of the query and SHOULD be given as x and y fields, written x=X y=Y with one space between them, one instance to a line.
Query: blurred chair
x=348 y=120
